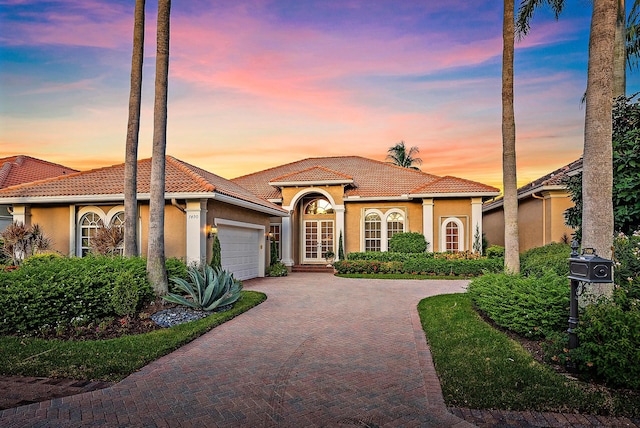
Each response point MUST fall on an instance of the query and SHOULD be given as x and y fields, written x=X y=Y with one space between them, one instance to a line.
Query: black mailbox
x=590 y=267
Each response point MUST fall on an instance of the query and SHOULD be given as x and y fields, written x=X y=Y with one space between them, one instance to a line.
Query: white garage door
x=240 y=249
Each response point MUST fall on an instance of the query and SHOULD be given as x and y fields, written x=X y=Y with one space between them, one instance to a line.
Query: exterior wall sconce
x=211 y=231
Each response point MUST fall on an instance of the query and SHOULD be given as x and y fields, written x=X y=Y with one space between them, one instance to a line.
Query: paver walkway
x=321 y=351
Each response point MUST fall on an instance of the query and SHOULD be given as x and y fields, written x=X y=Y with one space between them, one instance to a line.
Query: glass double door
x=318 y=239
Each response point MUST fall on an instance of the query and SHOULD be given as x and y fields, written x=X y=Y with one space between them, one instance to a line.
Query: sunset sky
x=255 y=84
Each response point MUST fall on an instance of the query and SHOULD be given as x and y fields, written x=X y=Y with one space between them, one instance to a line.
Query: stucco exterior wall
x=354 y=226
x=493 y=226
x=540 y=221
x=456 y=208
x=55 y=223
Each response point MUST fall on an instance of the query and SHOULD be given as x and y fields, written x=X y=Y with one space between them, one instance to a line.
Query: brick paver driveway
x=321 y=351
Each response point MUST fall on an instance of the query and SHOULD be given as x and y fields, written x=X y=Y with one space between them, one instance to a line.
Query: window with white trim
x=452 y=237
x=395 y=224
x=274 y=233
x=372 y=232
x=117 y=221
x=452 y=234
x=89 y=224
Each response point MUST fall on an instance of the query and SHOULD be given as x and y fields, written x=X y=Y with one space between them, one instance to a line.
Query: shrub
x=627 y=267
x=216 y=253
x=609 y=344
x=20 y=242
x=277 y=269
x=126 y=293
x=419 y=264
x=208 y=289
x=367 y=266
x=107 y=240
x=552 y=257
x=50 y=291
x=529 y=306
x=383 y=256
x=495 y=251
x=408 y=242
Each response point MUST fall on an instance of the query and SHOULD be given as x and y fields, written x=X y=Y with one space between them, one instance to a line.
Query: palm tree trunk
x=620 y=53
x=156 y=269
x=133 y=128
x=509 y=176
x=597 y=177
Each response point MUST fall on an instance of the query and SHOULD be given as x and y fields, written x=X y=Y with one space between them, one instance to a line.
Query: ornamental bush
x=530 y=306
x=408 y=242
x=51 y=291
x=552 y=257
x=609 y=338
x=420 y=264
x=277 y=269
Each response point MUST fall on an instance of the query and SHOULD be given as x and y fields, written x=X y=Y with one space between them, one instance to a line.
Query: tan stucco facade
x=540 y=220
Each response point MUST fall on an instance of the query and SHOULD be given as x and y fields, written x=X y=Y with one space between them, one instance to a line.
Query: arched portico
x=309 y=232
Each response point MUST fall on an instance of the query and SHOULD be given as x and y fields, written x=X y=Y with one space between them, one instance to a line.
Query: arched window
x=319 y=206
x=372 y=232
x=89 y=224
x=452 y=237
x=395 y=224
x=117 y=221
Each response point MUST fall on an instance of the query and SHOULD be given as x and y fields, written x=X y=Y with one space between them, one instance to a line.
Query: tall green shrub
x=273 y=250
x=340 y=248
x=552 y=257
x=216 y=253
x=408 y=242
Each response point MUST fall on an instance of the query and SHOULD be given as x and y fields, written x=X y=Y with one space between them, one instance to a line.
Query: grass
x=396 y=276
x=107 y=360
x=481 y=368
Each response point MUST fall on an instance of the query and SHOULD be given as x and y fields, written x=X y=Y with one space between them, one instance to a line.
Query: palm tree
x=597 y=178
x=133 y=128
x=399 y=156
x=627 y=41
x=509 y=176
x=156 y=268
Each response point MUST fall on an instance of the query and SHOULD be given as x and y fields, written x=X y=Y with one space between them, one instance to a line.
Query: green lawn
x=108 y=360
x=481 y=368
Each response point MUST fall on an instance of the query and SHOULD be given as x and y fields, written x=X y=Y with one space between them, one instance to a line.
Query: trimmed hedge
x=529 y=306
x=551 y=257
x=50 y=291
x=416 y=264
x=408 y=242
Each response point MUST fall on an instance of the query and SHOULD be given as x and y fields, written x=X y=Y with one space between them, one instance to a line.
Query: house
x=23 y=169
x=541 y=207
x=69 y=209
x=365 y=202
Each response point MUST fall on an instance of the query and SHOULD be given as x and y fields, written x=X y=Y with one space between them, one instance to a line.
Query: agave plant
x=208 y=289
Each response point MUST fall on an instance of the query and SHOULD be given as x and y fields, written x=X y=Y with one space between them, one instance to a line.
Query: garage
x=241 y=251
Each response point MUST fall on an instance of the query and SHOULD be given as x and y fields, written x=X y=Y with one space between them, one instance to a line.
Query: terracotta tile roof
x=554 y=178
x=181 y=177
x=24 y=169
x=371 y=178
x=450 y=184
x=313 y=174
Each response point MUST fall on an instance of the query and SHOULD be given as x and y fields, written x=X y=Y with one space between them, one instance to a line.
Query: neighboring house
x=367 y=202
x=24 y=169
x=541 y=207
x=70 y=208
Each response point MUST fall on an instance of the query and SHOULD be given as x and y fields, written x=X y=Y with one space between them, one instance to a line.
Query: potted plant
x=329 y=256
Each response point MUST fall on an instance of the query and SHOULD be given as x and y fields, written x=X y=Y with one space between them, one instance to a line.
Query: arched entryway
x=317 y=233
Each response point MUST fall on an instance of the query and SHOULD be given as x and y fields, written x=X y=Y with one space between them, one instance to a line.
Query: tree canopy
x=398 y=155
x=626 y=171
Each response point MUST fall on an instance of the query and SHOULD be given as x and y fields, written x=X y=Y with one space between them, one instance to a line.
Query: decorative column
x=196 y=219
x=476 y=220
x=427 y=223
x=339 y=210
x=286 y=238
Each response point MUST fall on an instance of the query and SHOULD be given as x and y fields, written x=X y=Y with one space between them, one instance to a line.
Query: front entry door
x=318 y=239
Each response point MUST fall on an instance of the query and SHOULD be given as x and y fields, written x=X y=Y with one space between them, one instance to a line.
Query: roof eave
x=143 y=197
x=310 y=183
x=456 y=195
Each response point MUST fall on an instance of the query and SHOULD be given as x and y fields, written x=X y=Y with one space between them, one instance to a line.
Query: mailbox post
x=584 y=268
